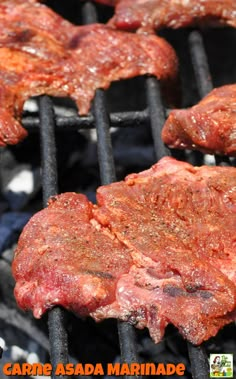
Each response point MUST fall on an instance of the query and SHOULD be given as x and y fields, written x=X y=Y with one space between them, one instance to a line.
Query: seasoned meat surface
x=179 y=222
x=65 y=257
x=209 y=126
x=165 y=238
x=148 y=15
x=45 y=54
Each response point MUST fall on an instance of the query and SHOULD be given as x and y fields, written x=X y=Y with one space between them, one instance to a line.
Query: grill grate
x=200 y=63
x=102 y=121
x=157 y=116
x=57 y=331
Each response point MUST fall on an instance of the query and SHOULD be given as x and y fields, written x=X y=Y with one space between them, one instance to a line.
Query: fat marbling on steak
x=148 y=15
x=162 y=242
x=209 y=126
x=46 y=54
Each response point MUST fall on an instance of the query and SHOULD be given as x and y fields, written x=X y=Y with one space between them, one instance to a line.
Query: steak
x=45 y=54
x=68 y=260
x=209 y=126
x=148 y=15
x=171 y=231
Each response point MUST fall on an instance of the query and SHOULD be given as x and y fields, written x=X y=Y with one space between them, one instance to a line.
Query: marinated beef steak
x=162 y=243
x=65 y=257
x=209 y=126
x=179 y=222
x=148 y=15
x=45 y=54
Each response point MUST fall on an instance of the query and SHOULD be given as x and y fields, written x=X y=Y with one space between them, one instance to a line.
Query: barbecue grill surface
x=128 y=119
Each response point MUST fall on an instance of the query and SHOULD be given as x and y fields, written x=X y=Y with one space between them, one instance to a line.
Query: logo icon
x=221 y=365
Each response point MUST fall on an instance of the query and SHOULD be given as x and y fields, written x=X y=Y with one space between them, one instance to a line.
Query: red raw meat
x=72 y=261
x=169 y=253
x=148 y=15
x=45 y=54
x=209 y=126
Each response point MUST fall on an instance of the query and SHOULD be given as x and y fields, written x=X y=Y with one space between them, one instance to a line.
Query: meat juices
x=161 y=242
x=209 y=126
x=150 y=15
x=48 y=55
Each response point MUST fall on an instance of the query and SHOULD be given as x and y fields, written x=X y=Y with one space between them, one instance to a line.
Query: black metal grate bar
x=199 y=362
x=107 y=173
x=57 y=332
x=157 y=116
x=58 y=338
x=200 y=63
x=89 y=13
x=197 y=354
x=48 y=148
x=203 y=76
x=104 y=145
x=128 y=344
x=117 y=119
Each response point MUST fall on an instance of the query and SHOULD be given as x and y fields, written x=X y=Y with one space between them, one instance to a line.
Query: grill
x=48 y=124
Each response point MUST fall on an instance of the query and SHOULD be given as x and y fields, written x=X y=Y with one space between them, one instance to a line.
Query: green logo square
x=221 y=365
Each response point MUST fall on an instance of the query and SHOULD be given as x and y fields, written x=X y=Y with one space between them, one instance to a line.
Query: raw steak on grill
x=45 y=54
x=72 y=261
x=156 y=14
x=162 y=242
x=209 y=126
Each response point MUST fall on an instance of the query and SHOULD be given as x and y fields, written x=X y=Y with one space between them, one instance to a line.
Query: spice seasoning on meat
x=209 y=126
x=175 y=263
x=46 y=54
x=150 y=15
